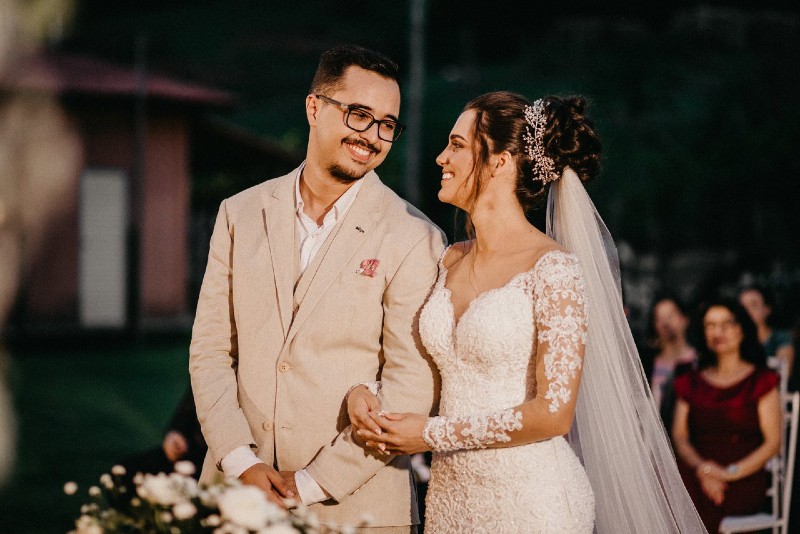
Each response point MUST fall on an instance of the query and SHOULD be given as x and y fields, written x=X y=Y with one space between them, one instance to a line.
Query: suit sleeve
x=410 y=382
x=213 y=353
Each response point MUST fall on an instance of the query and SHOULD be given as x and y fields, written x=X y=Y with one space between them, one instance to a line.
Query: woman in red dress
x=727 y=421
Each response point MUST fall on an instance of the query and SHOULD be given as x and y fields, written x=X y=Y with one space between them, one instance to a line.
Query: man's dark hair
x=334 y=63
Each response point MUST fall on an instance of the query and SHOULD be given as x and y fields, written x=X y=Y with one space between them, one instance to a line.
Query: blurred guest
x=183 y=440
x=758 y=302
x=727 y=421
x=674 y=355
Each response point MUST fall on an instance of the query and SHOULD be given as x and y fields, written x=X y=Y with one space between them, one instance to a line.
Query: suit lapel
x=338 y=249
x=279 y=216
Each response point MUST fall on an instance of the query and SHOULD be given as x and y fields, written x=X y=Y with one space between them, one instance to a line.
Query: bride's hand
x=360 y=402
x=401 y=433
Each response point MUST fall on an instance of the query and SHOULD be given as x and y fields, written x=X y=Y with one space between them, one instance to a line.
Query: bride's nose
x=441 y=159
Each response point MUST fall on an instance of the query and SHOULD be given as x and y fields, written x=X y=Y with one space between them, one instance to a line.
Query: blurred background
x=124 y=124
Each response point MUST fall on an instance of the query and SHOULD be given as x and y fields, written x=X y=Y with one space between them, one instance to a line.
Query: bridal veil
x=617 y=431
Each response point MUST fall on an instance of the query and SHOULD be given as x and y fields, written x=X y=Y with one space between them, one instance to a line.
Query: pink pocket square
x=368 y=267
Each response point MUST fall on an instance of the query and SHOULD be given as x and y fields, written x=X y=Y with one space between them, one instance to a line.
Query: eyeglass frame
x=349 y=108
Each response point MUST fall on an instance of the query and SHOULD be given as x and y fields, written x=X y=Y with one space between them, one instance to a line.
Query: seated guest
x=674 y=355
x=727 y=421
x=778 y=343
x=183 y=440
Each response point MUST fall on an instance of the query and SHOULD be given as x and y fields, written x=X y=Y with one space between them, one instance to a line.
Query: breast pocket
x=364 y=304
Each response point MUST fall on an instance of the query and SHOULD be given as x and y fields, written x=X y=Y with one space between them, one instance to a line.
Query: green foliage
x=80 y=411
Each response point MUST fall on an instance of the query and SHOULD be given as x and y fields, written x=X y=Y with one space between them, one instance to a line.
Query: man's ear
x=312 y=108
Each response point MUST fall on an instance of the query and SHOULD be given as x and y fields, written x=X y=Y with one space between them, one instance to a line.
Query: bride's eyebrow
x=453 y=137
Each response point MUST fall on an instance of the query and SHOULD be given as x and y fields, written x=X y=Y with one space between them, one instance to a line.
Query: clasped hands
x=713 y=481
x=385 y=433
x=279 y=486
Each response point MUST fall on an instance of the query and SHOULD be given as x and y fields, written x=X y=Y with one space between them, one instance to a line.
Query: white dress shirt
x=310 y=237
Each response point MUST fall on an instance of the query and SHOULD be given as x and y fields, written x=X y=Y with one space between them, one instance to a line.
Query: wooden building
x=98 y=170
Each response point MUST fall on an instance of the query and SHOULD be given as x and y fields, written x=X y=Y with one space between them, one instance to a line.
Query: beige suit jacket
x=271 y=363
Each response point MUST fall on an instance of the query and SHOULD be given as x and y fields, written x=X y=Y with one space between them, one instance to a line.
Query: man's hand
x=270 y=481
x=360 y=402
x=174 y=446
x=288 y=479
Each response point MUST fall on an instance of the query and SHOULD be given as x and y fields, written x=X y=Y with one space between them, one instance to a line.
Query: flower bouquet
x=175 y=504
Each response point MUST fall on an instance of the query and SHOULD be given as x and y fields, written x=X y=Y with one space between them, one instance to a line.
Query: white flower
x=281 y=528
x=118 y=470
x=159 y=489
x=184 y=510
x=87 y=525
x=136 y=502
x=166 y=517
x=94 y=491
x=105 y=480
x=138 y=478
x=248 y=507
x=312 y=520
x=89 y=508
x=186 y=485
x=185 y=467
x=213 y=520
x=70 y=488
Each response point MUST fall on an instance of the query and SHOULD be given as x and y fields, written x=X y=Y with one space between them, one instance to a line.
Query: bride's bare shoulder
x=456 y=252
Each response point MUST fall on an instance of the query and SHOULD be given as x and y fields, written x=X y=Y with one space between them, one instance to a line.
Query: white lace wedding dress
x=487 y=363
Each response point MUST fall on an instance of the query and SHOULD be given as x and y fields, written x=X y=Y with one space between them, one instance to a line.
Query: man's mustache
x=360 y=142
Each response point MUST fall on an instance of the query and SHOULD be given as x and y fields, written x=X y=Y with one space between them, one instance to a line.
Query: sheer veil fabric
x=617 y=431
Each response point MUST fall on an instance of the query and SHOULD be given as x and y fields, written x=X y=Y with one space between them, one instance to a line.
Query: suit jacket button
x=267 y=426
x=284 y=367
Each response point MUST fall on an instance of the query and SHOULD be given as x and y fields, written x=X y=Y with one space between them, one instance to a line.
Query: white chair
x=780 y=490
x=779 y=365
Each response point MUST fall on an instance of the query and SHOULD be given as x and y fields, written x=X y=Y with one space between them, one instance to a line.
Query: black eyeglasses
x=358 y=119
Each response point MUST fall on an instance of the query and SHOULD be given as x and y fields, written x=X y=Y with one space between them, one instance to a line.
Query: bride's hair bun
x=569 y=137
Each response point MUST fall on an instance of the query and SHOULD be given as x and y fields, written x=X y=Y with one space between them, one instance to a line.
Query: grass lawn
x=79 y=411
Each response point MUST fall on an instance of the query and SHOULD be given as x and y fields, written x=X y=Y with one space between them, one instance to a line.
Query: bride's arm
x=560 y=317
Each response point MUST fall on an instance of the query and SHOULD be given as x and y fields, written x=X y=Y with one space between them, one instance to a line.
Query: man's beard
x=345 y=176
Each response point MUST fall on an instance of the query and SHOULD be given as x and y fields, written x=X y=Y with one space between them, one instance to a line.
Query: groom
x=314 y=283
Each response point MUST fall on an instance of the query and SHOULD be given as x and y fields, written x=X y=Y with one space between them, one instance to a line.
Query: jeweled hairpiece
x=544 y=168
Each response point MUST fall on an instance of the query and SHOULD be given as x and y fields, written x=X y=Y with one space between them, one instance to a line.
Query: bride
x=528 y=334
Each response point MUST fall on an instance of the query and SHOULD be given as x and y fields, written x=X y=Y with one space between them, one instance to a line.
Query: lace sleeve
x=560 y=310
x=445 y=434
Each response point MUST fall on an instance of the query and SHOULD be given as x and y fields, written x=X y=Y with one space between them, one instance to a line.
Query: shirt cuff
x=310 y=492
x=238 y=461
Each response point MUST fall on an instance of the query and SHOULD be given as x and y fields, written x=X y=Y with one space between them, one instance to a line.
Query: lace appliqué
x=445 y=434
x=560 y=310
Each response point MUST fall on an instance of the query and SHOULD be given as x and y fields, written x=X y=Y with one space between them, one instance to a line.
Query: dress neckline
x=736 y=384
x=482 y=294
